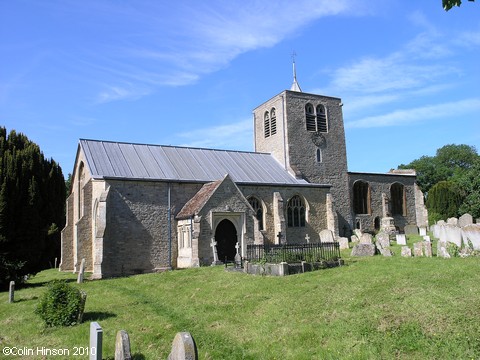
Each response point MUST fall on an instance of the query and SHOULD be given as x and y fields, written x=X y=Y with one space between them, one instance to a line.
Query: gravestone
x=427 y=248
x=358 y=233
x=418 y=248
x=366 y=239
x=56 y=263
x=411 y=230
x=422 y=231
x=183 y=347
x=452 y=221
x=453 y=234
x=427 y=238
x=81 y=272
x=343 y=242
x=354 y=239
x=238 y=257
x=441 y=222
x=363 y=250
x=122 y=346
x=383 y=239
x=96 y=334
x=464 y=220
x=326 y=236
x=81 y=309
x=442 y=250
x=213 y=245
x=401 y=239
x=11 y=292
x=406 y=251
x=471 y=233
x=387 y=224
x=307 y=239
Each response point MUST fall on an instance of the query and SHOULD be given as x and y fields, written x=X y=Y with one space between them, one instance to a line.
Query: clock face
x=319 y=139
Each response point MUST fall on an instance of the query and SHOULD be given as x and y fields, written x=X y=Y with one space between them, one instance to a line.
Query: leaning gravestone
x=326 y=236
x=183 y=347
x=452 y=234
x=464 y=220
x=363 y=250
x=354 y=239
x=358 y=233
x=383 y=243
x=122 y=346
x=411 y=230
x=401 y=239
x=81 y=272
x=81 y=309
x=406 y=251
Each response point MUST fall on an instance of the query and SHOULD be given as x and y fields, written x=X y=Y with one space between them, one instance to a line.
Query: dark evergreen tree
x=32 y=198
x=444 y=200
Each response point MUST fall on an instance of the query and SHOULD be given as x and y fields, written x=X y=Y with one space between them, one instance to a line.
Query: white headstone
x=472 y=233
x=96 y=334
x=401 y=239
x=11 y=292
x=326 y=236
x=422 y=231
x=307 y=239
x=426 y=238
x=366 y=238
x=464 y=220
x=213 y=245
x=343 y=242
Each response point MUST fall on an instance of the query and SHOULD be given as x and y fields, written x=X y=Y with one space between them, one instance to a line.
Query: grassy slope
x=405 y=308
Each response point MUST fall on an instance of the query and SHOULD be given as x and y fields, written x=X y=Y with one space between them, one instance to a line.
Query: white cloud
x=419 y=114
x=236 y=136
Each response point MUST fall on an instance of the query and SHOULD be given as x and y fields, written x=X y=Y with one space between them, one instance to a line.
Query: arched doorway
x=226 y=238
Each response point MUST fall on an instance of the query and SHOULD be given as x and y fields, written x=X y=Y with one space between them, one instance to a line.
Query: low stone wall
x=284 y=269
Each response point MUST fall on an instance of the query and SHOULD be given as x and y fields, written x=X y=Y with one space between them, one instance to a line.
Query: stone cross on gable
x=307 y=238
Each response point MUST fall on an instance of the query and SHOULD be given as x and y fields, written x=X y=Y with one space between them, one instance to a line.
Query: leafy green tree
x=444 y=200
x=470 y=185
x=448 y=4
x=32 y=198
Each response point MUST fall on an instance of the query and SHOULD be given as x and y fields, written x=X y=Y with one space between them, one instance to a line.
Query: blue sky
x=191 y=72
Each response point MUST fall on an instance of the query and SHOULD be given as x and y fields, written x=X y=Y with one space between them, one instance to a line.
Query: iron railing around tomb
x=293 y=252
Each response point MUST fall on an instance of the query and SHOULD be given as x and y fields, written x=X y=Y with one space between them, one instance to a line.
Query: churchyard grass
x=371 y=308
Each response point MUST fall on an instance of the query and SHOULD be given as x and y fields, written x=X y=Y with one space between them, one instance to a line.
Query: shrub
x=60 y=305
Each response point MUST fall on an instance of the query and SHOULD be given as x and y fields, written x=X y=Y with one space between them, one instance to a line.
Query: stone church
x=137 y=208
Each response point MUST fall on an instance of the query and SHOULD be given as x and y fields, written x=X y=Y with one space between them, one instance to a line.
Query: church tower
x=305 y=133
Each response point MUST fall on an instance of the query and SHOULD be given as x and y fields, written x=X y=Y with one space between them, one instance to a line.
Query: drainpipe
x=169 y=215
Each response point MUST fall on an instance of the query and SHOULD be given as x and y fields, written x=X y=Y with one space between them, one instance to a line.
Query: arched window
x=397 y=196
x=257 y=207
x=319 y=155
x=321 y=119
x=295 y=212
x=273 y=121
x=361 y=197
x=80 y=192
x=310 y=117
x=266 y=122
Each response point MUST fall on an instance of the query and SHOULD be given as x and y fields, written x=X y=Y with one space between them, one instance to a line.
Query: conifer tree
x=32 y=198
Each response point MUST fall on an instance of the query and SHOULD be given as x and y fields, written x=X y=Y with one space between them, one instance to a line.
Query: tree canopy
x=454 y=174
x=448 y=4
x=32 y=203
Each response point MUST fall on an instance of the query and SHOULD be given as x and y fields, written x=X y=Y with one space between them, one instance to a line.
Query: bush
x=60 y=305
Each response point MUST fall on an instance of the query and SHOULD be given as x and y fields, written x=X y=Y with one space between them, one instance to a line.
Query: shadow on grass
x=26 y=299
x=97 y=315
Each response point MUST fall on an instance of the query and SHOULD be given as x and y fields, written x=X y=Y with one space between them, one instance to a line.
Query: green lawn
x=371 y=308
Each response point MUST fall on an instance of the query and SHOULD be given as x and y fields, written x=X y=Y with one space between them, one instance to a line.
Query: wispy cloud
x=205 y=38
x=408 y=116
x=236 y=136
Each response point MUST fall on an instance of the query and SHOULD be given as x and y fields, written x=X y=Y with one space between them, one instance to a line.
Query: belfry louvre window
x=310 y=118
x=321 y=119
x=361 y=197
x=296 y=212
x=397 y=196
x=266 y=124
x=257 y=207
x=273 y=122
